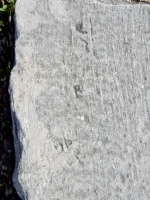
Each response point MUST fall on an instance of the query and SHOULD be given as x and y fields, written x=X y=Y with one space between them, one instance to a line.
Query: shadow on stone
x=18 y=154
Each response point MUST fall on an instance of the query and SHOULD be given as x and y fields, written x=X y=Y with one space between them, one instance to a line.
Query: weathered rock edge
x=80 y=101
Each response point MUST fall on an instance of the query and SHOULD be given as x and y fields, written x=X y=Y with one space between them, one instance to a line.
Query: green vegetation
x=7 y=8
x=7 y=153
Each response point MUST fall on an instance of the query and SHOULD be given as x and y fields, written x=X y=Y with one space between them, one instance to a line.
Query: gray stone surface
x=80 y=98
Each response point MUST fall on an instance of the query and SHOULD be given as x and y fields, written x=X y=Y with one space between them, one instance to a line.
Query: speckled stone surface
x=80 y=99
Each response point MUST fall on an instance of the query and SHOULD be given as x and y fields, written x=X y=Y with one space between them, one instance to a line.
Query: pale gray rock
x=80 y=99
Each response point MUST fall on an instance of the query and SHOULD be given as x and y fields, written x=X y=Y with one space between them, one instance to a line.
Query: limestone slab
x=80 y=100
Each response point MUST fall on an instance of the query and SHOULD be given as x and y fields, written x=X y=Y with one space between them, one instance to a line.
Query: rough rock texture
x=80 y=98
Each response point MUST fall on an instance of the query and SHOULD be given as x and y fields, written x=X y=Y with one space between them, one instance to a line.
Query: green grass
x=7 y=8
x=6 y=63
